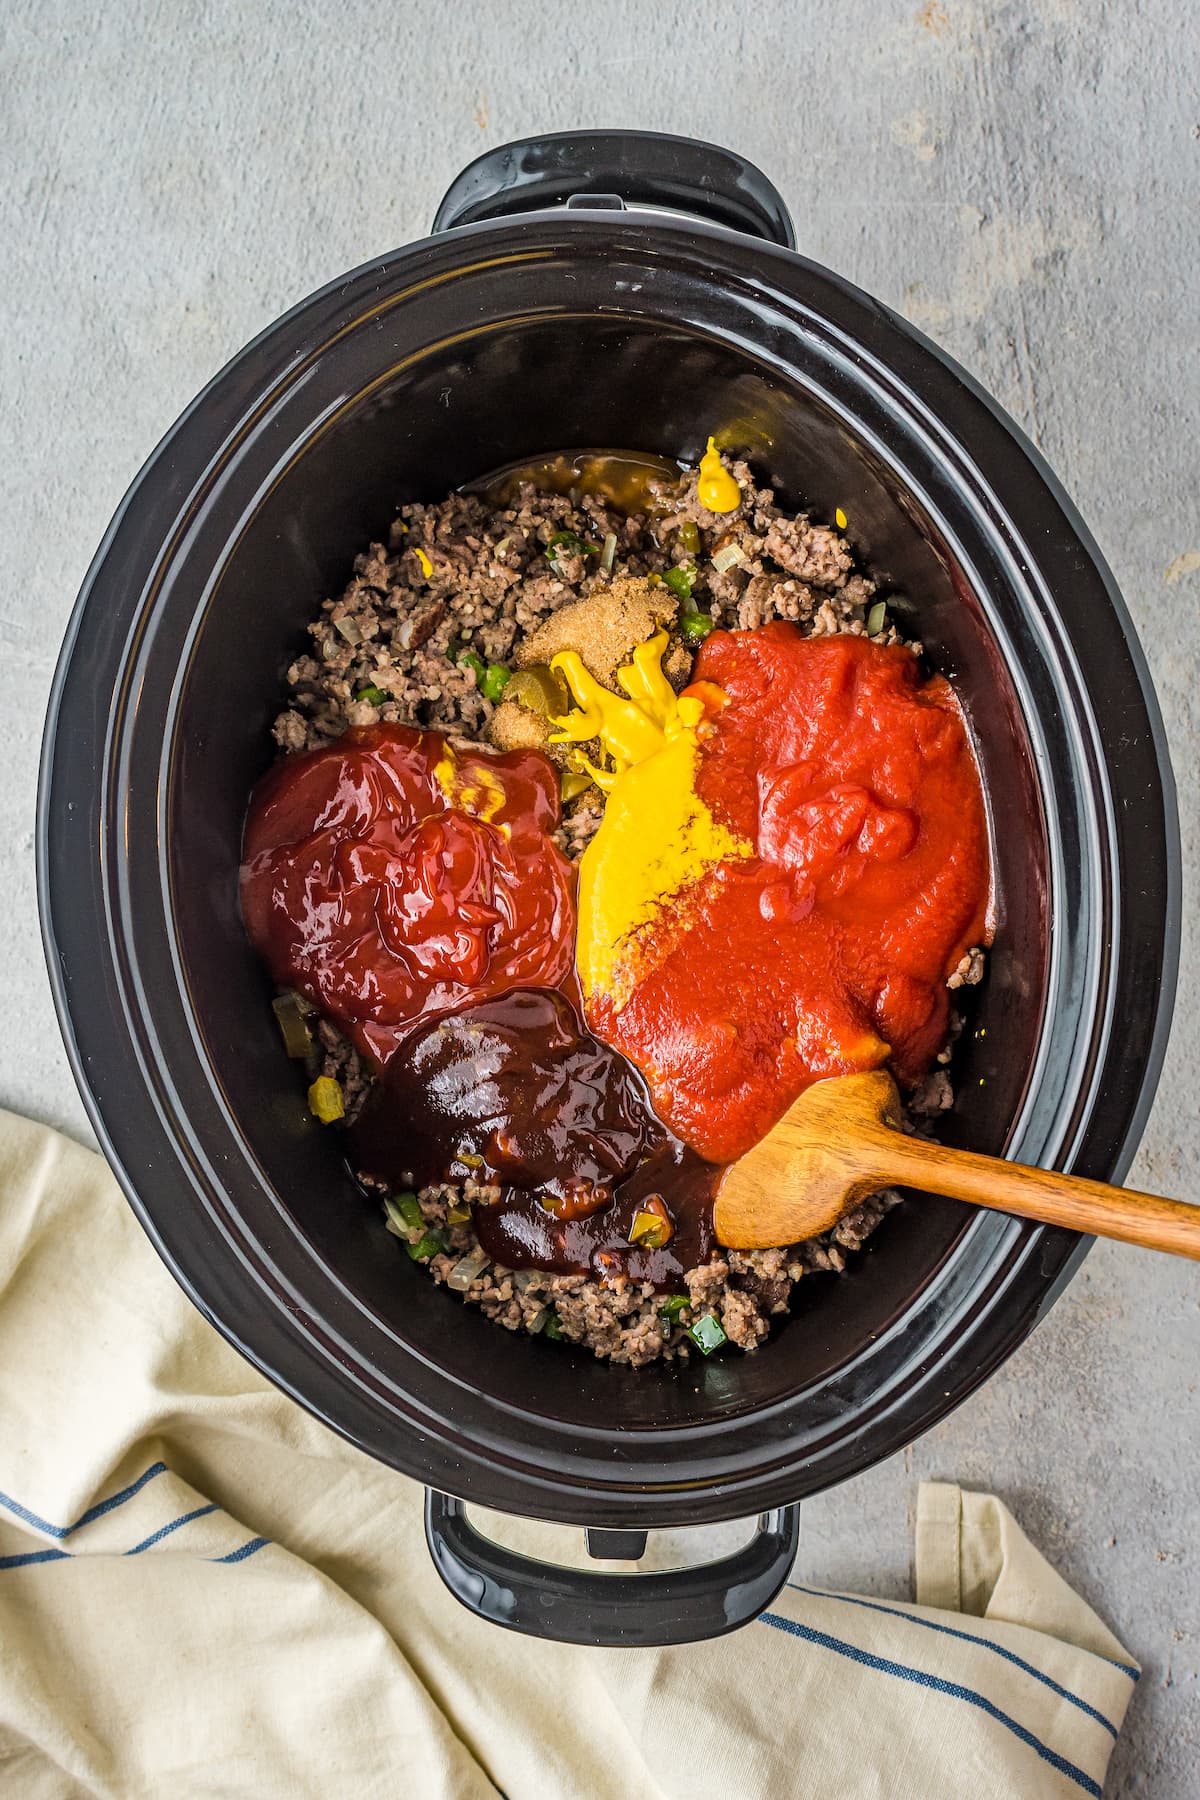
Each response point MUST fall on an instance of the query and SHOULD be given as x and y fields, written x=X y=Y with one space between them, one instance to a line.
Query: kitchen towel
x=205 y=1592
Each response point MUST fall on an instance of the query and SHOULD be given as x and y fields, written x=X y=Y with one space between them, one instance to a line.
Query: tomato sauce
x=390 y=876
x=827 y=951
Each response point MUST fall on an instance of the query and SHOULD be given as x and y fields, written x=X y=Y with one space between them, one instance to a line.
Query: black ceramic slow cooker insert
x=609 y=291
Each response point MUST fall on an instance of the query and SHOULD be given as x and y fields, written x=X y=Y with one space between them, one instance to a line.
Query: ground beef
x=471 y=574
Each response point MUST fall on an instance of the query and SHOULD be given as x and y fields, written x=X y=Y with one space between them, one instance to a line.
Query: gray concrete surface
x=1019 y=179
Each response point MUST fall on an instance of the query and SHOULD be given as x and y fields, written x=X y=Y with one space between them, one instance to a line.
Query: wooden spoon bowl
x=843 y=1139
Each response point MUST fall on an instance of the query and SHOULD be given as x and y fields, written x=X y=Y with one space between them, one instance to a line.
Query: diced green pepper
x=425 y=1247
x=875 y=618
x=495 y=681
x=681 y=581
x=707 y=1333
x=471 y=659
x=695 y=627
x=689 y=536
x=552 y=1329
x=650 y=1230
x=572 y=783
x=409 y=1209
x=539 y=689
x=375 y=695
x=289 y=1013
x=672 y=1306
x=570 y=543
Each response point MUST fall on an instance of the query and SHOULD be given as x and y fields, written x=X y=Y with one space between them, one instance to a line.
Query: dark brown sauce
x=516 y=1094
x=622 y=477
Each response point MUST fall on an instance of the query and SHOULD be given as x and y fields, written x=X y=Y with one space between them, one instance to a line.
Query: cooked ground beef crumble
x=469 y=573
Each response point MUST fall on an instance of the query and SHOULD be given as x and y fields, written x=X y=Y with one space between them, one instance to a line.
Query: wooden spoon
x=842 y=1140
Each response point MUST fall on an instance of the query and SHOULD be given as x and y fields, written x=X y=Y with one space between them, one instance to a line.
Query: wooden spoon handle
x=1041 y=1194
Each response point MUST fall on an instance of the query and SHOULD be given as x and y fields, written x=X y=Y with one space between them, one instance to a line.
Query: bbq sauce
x=515 y=1095
x=626 y=479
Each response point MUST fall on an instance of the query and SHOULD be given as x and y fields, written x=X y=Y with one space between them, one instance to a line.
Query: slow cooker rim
x=1069 y=1252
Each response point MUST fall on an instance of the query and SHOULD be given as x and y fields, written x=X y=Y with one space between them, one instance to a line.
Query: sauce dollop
x=826 y=951
x=391 y=875
x=516 y=1094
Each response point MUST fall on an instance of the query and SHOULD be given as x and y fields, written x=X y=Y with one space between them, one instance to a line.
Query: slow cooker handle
x=579 y=1606
x=650 y=167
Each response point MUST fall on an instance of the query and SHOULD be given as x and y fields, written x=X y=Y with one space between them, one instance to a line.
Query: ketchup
x=827 y=950
x=391 y=875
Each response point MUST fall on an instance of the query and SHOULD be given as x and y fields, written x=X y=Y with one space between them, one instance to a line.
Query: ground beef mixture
x=471 y=573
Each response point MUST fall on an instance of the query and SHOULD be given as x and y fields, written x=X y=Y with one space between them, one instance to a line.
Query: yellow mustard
x=716 y=487
x=445 y=773
x=631 y=729
x=325 y=1100
x=657 y=837
x=482 y=798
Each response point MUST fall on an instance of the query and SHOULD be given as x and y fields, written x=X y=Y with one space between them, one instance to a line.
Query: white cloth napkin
x=205 y=1592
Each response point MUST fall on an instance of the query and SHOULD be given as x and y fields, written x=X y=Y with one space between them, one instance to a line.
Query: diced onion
x=876 y=618
x=727 y=556
x=349 y=629
x=468 y=1270
x=608 y=553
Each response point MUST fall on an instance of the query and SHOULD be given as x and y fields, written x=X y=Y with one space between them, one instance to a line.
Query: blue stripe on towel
x=93 y=1512
x=969 y=1637
x=166 y=1530
x=106 y=1506
x=237 y=1556
x=34 y=1556
x=233 y=1556
x=952 y=1688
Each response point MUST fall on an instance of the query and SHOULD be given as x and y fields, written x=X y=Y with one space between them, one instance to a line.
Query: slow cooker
x=618 y=291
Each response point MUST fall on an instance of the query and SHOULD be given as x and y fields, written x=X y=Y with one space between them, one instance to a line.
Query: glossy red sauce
x=364 y=887
x=828 y=952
